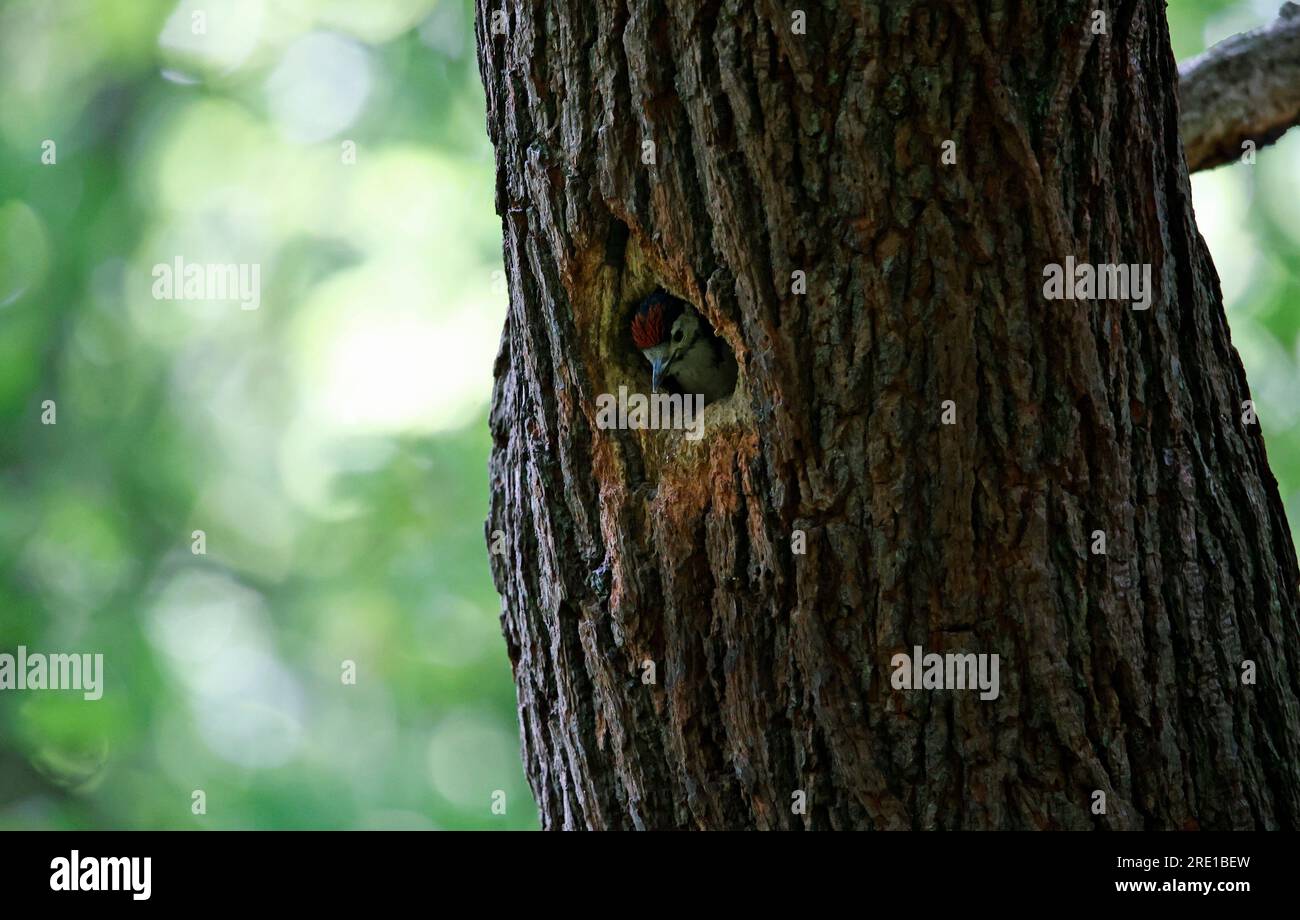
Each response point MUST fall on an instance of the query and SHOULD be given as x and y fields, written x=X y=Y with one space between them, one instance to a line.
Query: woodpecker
x=681 y=348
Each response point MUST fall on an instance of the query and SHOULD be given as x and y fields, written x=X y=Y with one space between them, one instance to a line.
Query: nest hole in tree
x=669 y=330
x=639 y=273
x=631 y=272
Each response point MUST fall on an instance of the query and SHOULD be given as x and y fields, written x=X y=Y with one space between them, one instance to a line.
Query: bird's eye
x=677 y=336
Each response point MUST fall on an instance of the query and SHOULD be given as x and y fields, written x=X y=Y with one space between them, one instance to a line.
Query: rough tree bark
x=1245 y=88
x=707 y=146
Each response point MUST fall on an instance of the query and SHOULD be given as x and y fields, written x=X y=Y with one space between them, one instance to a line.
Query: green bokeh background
x=331 y=444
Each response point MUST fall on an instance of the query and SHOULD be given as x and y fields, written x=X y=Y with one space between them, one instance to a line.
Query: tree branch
x=1244 y=88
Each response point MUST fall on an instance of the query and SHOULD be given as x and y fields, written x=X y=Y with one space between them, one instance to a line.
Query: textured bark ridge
x=776 y=152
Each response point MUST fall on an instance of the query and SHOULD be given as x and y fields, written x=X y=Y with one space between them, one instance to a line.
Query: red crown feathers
x=648 y=326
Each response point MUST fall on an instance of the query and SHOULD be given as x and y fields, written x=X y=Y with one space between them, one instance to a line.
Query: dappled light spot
x=24 y=250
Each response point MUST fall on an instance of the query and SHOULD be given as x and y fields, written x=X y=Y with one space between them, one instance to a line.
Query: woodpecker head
x=666 y=330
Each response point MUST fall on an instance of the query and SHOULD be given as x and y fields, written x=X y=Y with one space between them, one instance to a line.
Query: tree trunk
x=680 y=663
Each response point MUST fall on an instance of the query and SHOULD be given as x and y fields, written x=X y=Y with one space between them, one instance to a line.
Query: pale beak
x=657 y=368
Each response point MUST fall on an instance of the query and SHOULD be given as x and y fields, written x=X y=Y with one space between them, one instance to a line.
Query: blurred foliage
x=331 y=444
x=1248 y=217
